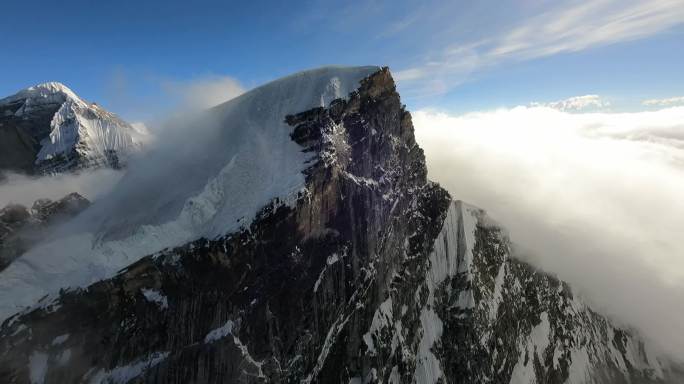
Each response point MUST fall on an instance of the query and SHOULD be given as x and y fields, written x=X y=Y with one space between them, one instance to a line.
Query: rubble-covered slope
x=370 y=274
x=47 y=129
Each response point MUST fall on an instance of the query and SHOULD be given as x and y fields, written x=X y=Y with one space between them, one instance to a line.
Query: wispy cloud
x=570 y=27
x=152 y=97
x=204 y=92
x=400 y=25
x=575 y=103
x=664 y=102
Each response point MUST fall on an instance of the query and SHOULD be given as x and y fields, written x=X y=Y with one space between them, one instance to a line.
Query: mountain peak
x=298 y=239
x=51 y=87
x=47 y=128
x=45 y=93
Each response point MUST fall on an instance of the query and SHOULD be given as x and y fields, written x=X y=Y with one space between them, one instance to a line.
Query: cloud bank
x=594 y=197
x=576 y=103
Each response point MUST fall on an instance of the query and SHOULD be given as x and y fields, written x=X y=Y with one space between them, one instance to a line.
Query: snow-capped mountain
x=47 y=128
x=300 y=241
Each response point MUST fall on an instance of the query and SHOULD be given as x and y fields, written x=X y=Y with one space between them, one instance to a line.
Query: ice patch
x=394 y=377
x=539 y=339
x=37 y=367
x=382 y=318
x=154 y=296
x=498 y=291
x=219 y=333
x=64 y=357
x=579 y=373
x=332 y=259
x=227 y=330
x=444 y=257
x=60 y=339
x=540 y=335
x=468 y=214
x=428 y=370
x=126 y=373
x=452 y=254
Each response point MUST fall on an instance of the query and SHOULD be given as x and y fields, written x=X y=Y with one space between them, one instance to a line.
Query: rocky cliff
x=369 y=274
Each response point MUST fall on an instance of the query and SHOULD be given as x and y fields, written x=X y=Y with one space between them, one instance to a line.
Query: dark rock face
x=20 y=227
x=372 y=275
x=20 y=136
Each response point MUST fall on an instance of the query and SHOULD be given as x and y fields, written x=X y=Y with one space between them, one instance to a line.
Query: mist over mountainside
x=22 y=227
x=296 y=238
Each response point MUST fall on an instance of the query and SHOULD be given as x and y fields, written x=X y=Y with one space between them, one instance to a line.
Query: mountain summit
x=47 y=128
x=311 y=249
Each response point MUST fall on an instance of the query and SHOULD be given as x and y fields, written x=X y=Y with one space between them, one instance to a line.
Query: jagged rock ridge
x=47 y=128
x=372 y=275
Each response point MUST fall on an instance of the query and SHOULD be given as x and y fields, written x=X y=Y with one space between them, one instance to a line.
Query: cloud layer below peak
x=592 y=197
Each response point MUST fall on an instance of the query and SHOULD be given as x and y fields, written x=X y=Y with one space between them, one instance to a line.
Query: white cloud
x=205 y=92
x=585 y=24
x=664 y=102
x=593 y=197
x=568 y=27
x=22 y=189
x=409 y=74
x=576 y=103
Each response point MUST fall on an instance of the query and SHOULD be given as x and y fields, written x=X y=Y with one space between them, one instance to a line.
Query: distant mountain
x=301 y=242
x=49 y=129
x=21 y=227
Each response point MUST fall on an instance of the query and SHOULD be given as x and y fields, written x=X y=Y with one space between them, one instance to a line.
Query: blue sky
x=136 y=57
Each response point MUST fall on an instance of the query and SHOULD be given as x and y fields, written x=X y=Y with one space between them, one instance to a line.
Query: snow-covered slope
x=67 y=132
x=208 y=181
x=526 y=326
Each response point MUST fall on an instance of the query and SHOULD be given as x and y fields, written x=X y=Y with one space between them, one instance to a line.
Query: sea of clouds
x=597 y=198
